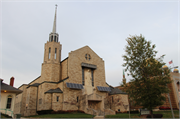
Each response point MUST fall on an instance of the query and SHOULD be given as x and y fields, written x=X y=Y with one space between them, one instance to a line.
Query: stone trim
x=48 y=82
x=23 y=85
x=64 y=59
x=92 y=66
x=57 y=90
x=34 y=79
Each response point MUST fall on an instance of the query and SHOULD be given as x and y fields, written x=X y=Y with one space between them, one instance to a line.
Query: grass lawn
x=73 y=115
x=166 y=114
x=122 y=115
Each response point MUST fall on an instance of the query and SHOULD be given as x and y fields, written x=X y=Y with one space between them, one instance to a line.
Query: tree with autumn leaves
x=149 y=80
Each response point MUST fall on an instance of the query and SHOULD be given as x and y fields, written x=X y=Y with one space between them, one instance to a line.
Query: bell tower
x=52 y=56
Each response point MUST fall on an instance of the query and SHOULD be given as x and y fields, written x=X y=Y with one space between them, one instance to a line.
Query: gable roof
x=34 y=84
x=57 y=90
x=8 y=88
x=116 y=91
x=86 y=47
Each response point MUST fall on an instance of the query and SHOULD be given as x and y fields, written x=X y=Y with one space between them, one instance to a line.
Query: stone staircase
x=97 y=113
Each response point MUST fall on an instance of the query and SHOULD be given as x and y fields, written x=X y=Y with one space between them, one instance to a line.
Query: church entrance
x=94 y=104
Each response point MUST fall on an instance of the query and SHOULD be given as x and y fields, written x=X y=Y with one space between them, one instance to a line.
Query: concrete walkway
x=99 y=117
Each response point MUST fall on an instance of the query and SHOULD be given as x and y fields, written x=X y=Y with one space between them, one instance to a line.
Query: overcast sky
x=102 y=25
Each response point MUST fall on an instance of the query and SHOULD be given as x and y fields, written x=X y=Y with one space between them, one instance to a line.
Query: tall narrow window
x=9 y=100
x=77 y=99
x=57 y=98
x=55 y=53
x=49 y=56
x=51 y=38
x=92 y=77
x=55 y=38
x=83 y=76
x=40 y=101
x=112 y=99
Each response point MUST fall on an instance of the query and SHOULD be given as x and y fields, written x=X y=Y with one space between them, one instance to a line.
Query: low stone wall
x=91 y=111
x=109 y=112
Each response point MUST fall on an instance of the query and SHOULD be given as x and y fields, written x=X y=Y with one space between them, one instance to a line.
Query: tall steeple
x=52 y=56
x=53 y=36
x=124 y=79
x=54 y=25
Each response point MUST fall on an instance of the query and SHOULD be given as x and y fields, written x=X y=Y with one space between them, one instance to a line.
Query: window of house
x=40 y=101
x=77 y=98
x=55 y=53
x=9 y=101
x=51 y=38
x=57 y=98
x=55 y=38
x=92 y=72
x=49 y=56
x=118 y=110
x=83 y=76
x=87 y=56
x=112 y=99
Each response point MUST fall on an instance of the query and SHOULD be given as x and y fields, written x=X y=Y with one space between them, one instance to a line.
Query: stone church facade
x=75 y=83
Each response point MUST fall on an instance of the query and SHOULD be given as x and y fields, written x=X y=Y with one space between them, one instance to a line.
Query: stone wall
x=17 y=106
x=37 y=80
x=64 y=69
x=75 y=70
x=52 y=45
x=31 y=101
x=117 y=102
x=50 y=72
x=44 y=101
x=57 y=104
x=70 y=98
x=20 y=101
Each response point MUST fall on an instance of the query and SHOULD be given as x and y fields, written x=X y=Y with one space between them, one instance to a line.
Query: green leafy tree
x=149 y=80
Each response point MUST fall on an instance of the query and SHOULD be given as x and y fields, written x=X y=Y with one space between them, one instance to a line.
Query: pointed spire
x=123 y=74
x=54 y=25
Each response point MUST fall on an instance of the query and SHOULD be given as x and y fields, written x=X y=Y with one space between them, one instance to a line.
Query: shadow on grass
x=73 y=115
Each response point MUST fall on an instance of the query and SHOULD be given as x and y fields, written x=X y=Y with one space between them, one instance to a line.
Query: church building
x=75 y=83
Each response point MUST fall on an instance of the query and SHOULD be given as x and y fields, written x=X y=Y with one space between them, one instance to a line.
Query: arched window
x=9 y=101
x=49 y=56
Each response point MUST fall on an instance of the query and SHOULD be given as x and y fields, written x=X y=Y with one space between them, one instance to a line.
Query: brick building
x=75 y=83
x=174 y=94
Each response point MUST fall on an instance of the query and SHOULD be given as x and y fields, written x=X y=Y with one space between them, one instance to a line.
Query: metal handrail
x=7 y=110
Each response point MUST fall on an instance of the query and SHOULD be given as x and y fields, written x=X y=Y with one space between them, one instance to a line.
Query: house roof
x=116 y=91
x=8 y=88
x=57 y=90
x=35 y=85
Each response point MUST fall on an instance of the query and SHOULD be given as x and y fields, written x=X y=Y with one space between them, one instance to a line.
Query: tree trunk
x=151 y=113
